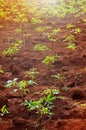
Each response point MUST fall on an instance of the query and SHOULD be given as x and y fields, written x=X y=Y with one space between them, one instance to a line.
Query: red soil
x=68 y=113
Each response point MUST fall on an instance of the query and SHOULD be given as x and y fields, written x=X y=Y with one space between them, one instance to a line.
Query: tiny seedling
x=71 y=46
x=1 y=71
x=60 y=78
x=50 y=59
x=27 y=34
x=20 y=42
x=36 y=20
x=50 y=36
x=70 y=25
x=40 y=29
x=13 y=49
x=32 y=82
x=11 y=83
x=4 y=110
x=22 y=84
x=55 y=31
x=70 y=38
x=32 y=73
x=77 y=30
x=40 y=47
x=44 y=105
x=18 y=30
x=51 y=91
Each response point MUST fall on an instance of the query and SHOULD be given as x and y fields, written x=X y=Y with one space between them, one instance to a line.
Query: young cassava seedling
x=50 y=59
x=4 y=110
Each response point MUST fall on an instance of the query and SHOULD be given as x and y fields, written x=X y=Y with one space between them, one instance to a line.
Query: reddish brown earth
x=68 y=113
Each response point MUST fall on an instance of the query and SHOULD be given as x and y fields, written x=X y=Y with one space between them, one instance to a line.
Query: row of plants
x=18 y=11
x=45 y=104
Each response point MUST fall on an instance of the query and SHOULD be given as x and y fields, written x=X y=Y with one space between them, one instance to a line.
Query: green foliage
x=55 y=31
x=77 y=30
x=40 y=29
x=17 y=11
x=50 y=36
x=27 y=34
x=14 y=11
x=36 y=20
x=40 y=47
x=70 y=38
x=18 y=30
x=22 y=84
x=44 y=105
x=70 y=26
x=32 y=82
x=11 y=83
x=32 y=73
x=4 y=110
x=51 y=92
x=71 y=46
x=1 y=71
x=50 y=59
x=15 y=47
